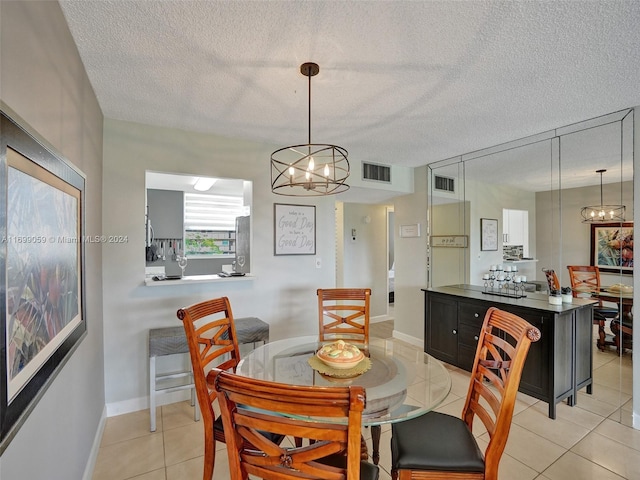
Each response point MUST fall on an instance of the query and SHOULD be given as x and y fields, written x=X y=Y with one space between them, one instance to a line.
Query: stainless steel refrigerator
x=243 y=245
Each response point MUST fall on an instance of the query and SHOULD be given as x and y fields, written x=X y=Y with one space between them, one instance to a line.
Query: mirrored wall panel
x=530 y=209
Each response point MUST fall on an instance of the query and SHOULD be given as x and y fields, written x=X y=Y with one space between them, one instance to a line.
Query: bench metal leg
x=152 y=392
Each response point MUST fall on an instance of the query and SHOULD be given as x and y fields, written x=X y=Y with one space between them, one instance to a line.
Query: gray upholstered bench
x=173 y=341
x=168 y=341
x=251 y=330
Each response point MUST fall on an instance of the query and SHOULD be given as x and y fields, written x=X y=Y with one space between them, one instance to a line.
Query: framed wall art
x=612 y=247
x=42 y=286
x=412 y=230
x=451 y=241
x=294 y=229
x=488 y=234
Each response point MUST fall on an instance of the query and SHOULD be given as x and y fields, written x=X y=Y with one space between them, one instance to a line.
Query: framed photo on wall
x=612 y=247
x=42 y=262
x=294 y=229
x=488 y=234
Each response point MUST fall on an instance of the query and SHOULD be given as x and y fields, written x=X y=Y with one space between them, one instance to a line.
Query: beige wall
x=411 y=262
x=450 y=266
x=365 y=259
x=43 y=82
x=283 y=292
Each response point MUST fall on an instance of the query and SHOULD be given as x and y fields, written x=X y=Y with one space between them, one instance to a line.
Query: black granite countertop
x=537 y=301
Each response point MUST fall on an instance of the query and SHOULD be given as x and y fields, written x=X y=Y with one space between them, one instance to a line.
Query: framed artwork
x=412 y=230
x=294 y=229
x=612 y=247
x=42 y=260
x=452 y=241
x=488 y=234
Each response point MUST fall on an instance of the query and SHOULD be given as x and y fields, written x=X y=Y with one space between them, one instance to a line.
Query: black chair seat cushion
x=625 y=323
x=435 y=442
x=368 y=471
x=601 y=313
x=218 y=433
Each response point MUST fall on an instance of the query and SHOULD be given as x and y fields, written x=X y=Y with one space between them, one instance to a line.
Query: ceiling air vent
x=379 y=173
x=445 y=184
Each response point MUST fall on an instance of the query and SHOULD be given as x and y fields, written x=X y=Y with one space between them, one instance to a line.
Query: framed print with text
x=488 y=234
x=294 y=228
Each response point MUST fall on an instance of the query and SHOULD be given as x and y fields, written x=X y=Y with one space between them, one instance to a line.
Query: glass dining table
x=402 y=382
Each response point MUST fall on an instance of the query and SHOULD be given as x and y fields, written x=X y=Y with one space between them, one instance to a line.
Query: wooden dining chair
x=585 y=280
x=212 y=340
x=344 y=313
x=438 y=446
x=330 y=417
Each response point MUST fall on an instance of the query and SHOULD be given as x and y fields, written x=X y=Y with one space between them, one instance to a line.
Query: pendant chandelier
x=309 y=169
x=603 y=213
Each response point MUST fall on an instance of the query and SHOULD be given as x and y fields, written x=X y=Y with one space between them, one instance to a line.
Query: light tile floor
x=584 y=442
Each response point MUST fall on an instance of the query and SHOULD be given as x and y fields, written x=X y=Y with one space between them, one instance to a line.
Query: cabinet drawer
x=471 y=313
x=468 y=335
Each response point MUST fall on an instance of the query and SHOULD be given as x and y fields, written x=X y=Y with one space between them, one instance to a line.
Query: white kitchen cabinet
x=515 y=228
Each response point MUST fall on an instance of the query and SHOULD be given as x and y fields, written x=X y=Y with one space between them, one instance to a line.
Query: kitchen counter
x=512 y=262
x=532 y=300
x=193 y=279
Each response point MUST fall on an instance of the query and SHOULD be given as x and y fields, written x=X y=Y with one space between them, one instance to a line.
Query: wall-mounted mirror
x=204 y=220
x=551 y=176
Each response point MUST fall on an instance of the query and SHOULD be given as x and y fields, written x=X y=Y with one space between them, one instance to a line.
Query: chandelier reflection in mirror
x=309 y=169
x=603 y=213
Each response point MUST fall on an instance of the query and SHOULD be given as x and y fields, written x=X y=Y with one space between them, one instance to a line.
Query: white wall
x=365 y=258
x=44 y=82
x=411 y=262
x=283 y=293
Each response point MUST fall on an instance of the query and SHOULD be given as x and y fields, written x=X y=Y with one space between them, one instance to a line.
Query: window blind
x=211 y=212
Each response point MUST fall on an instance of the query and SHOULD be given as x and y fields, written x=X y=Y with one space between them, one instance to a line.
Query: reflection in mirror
x=551 y=175
x=206 y=220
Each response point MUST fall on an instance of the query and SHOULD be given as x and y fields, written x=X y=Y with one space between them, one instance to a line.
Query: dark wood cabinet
x=440 y=336
x=557 y=366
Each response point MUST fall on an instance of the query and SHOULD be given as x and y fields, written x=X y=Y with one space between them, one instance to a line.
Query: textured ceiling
x=404 y=83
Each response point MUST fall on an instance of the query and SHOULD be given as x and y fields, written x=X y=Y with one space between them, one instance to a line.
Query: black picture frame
x=488 y=234
x=612 y=247
x=48 y=185
x=294 y=229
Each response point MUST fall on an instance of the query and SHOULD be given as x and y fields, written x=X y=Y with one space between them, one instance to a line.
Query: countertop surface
x=537 y=301
x=192 y=279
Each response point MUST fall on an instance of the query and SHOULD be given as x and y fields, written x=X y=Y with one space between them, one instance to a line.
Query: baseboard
x=408 y=338
x=95 y=447
x=142 y=403
x=380 y=318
